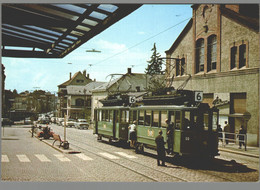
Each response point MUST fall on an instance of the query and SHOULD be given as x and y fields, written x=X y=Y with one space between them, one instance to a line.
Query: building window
x=242 y=55
x=200 y=55
x=177 y=67
x=79 y=102
x=233 y=55
x=212 y=53
x=238 y=56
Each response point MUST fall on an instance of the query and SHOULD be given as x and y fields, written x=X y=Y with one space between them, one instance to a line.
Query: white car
x=60 y=120
x=81 y=124
x=69 y=123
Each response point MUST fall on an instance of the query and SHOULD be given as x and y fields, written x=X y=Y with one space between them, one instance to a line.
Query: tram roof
x=55 y=30
x=155 y=107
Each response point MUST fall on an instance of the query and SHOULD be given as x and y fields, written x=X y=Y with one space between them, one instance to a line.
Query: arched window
x=79 y=102
x=212 y=53
x=200 y=55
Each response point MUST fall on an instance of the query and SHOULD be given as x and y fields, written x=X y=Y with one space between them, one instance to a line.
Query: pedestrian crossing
x=63 y=158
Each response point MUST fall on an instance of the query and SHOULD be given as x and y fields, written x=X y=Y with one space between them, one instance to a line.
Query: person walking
x=159 y=140
x=220 y=136
x=132 y=133
x=227 y=130
x=241 y=136
x=169 y=136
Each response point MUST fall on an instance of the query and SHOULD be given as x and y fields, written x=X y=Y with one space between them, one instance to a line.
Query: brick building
x=219 y=48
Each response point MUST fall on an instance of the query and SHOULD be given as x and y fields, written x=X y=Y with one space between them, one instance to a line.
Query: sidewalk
x=233 y=148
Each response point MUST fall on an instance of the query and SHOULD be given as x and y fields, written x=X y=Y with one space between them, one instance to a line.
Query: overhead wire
x=139 y=43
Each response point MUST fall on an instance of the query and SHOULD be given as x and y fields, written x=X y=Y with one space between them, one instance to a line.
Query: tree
x=154 y=69
x=155 y=64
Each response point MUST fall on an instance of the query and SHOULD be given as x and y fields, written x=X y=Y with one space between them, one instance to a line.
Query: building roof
x=83 y=90
x=68 y=82
x=55 y=30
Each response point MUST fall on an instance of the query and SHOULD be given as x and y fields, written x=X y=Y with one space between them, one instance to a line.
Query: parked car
x=69 y=123
x=28 y=122
x=6 y=121
x=60 y=120
x=81 y=124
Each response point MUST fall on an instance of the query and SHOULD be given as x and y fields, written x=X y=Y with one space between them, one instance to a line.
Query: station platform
x=234 y=148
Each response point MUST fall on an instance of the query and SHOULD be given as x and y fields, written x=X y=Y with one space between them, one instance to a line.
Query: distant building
x=79 y=100
x=132 y=84
x=75 y=96
x=219 y=48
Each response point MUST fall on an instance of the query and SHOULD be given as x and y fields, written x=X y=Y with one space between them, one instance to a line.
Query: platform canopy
x=55 y=30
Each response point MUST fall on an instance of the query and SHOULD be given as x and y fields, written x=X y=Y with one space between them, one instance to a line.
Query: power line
x=140 y=42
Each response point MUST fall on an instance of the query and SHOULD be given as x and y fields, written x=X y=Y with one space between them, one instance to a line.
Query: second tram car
x=194 y=126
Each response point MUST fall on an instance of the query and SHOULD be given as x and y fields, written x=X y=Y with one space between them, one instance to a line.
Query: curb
x=240 y=153
x=69 y=151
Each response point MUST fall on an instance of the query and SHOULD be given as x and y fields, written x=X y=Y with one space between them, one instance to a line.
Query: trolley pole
x=65 y=123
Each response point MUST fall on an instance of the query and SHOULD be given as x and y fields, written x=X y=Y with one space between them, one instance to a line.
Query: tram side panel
x=146 y=135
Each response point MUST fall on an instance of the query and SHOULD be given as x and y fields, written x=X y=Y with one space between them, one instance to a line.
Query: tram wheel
x=99 y=138
x=139 y=148
x=110 y=140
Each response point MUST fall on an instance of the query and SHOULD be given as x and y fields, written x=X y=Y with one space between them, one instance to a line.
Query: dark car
x=6 y=121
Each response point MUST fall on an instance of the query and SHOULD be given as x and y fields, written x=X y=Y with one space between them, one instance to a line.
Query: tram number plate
x=132 y=99
x=198 y=96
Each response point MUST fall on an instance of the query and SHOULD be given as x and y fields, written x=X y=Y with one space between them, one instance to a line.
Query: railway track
x=210 y=175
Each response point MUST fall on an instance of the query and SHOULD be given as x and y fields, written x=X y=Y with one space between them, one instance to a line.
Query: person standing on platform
x=227 y=130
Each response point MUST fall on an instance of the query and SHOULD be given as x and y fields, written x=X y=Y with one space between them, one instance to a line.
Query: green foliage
x=155 y=64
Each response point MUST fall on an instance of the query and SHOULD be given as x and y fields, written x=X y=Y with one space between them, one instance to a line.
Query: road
x=28 y=159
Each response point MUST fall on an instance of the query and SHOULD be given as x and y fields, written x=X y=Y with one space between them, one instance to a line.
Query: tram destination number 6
x=198 y=96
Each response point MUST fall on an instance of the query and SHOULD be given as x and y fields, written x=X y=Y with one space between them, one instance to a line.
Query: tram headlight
x=187 y=138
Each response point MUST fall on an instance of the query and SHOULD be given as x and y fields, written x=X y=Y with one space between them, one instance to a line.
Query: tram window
x=103 y=115
x=106 y=115
x=99 y=115
x=148 y=115
x=155 y=121
x=186 y=120
x=206 y=121
x=133 y=116
x=127 y=116
x=141 y=117
x=111 y=115
x=171 y=116
x=215 y=121
x=178 y=120
x=123 y=116
x=163 y=118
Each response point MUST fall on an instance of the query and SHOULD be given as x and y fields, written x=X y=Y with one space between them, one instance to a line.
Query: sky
x=126 y=44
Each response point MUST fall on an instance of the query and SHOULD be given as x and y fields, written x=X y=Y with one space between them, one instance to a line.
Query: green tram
x=195 y=131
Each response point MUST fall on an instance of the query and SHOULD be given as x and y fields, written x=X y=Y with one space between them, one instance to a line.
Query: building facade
x=219 y=48
x=72 y=96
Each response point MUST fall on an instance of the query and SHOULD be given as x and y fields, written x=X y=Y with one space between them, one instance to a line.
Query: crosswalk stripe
x=62 y=158
x=23 y=158
x=4 y=158
x=83 y=157
x=108 y=155
x=42 y=158
x=126 y=155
